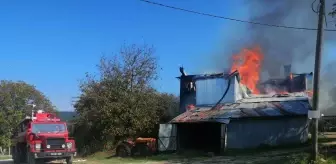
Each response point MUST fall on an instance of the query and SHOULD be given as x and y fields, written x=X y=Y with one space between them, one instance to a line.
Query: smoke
x=327 y=92
x=282 y=46
x=296 y=47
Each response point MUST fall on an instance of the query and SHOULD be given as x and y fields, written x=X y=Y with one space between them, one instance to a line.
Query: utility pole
x=318 y=53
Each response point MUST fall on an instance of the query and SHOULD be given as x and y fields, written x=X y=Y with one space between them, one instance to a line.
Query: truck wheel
x=20 y=153
x=69 y=160
x=123 y=150
x=15 y=155
x=31 y=159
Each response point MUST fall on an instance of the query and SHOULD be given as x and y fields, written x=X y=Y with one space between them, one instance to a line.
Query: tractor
x=138 y=147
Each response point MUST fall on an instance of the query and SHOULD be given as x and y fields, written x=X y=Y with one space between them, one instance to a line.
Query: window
x=48 y=128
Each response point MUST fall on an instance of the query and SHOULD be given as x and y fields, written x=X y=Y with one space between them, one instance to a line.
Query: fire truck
x=42 y=137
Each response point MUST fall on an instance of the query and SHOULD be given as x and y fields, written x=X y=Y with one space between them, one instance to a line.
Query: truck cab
x=40 y=138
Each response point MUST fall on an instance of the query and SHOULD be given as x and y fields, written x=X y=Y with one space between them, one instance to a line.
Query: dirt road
x=6 y=162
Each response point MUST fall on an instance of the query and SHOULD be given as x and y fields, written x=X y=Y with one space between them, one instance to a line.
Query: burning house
x=230 y=111
x=223 y=116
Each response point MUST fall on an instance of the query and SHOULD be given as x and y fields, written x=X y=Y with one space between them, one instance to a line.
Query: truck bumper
x=38 y=155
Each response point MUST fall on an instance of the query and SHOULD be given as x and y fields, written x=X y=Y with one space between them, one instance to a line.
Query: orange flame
x=248 y=64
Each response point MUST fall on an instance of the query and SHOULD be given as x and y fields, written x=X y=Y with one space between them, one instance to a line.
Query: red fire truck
x=41 y=138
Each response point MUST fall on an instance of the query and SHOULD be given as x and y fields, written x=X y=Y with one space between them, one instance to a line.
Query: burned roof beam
x=182 y=71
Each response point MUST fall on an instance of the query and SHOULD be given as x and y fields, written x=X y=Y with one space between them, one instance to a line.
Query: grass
x=301 y=158
x=192 y=157
x=105 y=157
x=5 y=157
x=295 y=154
x=259 y=157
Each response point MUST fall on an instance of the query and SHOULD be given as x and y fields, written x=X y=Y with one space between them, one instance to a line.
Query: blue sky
x=51 y=44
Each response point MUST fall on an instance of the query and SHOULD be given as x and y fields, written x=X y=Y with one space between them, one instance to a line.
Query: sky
x=52 y=44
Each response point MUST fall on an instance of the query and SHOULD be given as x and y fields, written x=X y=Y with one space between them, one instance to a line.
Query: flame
x=248 y=64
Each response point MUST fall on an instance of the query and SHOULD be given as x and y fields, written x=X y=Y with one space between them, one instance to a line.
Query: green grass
x=104 y=157
x=5 y=157
x=296 y=158
x=293 y=154
x=281 y=156
x=189 y=157
x=300 y=158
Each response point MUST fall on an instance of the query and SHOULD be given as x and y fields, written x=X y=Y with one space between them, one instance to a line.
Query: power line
x=232 y=19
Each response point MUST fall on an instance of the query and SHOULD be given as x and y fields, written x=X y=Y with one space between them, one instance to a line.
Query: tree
x=121 y=101
x=168 y=107
x=15 y=98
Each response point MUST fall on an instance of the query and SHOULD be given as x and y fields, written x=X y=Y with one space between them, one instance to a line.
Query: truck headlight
x=63 y=146
x=69 y=145
x=38 y=146
x=48 y=146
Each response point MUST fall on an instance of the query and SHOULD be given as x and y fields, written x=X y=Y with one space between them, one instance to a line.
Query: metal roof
x=253 y=107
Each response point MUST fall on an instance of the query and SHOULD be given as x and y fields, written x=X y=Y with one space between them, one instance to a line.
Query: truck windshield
x=48 y=128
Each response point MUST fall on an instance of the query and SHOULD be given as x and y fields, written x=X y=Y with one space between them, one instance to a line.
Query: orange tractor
x=139 y=146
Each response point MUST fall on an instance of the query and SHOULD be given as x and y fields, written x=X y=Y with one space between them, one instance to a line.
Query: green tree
x=15 y=98
x=168 y=107
x=120 y=102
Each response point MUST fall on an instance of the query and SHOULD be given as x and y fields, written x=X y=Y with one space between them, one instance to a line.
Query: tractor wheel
x=144 y=150
x=123 y=150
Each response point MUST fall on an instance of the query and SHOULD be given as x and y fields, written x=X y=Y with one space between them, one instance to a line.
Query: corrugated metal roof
x=248 y=108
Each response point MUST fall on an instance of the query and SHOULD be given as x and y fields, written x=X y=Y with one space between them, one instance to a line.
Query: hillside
x=66 y=115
